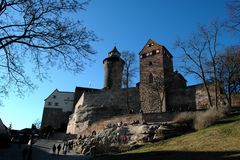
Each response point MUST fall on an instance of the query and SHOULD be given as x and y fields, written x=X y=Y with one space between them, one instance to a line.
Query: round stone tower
x=113 y=67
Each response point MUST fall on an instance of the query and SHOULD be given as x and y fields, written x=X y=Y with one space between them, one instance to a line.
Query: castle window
x=56 y=104
x=150 y=79
x=150 y=44
x=54 y=96
x=150 y=63
x=49 y=103
x=157 y=51
x=140 y=56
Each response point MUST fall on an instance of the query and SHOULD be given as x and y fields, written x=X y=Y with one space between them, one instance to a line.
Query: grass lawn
x=218 y=142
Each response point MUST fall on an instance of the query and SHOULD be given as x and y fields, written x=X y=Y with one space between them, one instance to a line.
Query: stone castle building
x=161 y=89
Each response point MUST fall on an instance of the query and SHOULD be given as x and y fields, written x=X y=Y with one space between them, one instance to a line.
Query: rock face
x=101 y=105
x=125 y=137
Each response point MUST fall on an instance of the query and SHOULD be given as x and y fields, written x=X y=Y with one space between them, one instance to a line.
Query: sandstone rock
x=142 y=129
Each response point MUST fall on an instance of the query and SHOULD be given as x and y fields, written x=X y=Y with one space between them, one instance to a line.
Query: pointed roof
x=114 y=52
x=151 y=45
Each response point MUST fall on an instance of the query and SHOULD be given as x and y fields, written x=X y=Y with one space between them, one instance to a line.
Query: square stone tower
x=156 y=69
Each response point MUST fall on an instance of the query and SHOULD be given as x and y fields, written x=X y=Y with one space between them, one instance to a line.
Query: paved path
x=14 y=152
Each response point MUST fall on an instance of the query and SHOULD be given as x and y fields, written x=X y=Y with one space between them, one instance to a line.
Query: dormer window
x=150 y=45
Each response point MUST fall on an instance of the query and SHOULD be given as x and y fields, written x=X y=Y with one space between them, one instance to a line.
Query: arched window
x=150 y=79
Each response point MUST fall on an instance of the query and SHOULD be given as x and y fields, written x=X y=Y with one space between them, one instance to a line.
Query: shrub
x=201 y=119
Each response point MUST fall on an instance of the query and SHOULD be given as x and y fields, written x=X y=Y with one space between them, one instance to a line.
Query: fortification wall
x=190 y=98
x=96 y=106
x=54 y=117
x=236 y=100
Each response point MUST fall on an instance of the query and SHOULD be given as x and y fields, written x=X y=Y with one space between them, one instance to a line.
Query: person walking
x=59 y=148
x=65 y=148
x=54 y=149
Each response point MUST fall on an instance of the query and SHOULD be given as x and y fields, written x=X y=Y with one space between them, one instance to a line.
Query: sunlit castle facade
x=74 y=111
x=57 y=108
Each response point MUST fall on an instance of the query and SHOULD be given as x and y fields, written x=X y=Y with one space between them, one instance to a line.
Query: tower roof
x=152 y=45
x=114 y=52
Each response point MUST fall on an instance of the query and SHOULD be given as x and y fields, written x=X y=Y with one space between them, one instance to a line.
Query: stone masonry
x=161 y=89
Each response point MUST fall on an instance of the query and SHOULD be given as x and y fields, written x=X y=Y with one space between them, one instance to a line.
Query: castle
x=161 y=89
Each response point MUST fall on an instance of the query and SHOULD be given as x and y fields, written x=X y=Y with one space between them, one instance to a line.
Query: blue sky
x=128 y=24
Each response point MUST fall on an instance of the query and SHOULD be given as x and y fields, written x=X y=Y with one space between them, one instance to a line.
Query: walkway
x=14 y=152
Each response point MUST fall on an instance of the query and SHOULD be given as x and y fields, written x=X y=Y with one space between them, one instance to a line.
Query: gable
x=151 y=48
x=54 y=92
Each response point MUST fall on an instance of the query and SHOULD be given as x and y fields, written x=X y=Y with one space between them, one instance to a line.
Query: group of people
x=67 y=146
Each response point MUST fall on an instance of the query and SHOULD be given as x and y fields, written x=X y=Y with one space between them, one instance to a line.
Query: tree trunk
x=127 y=91
x=215 y=85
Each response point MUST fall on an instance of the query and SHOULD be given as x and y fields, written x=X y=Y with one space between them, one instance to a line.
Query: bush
x=201 y=119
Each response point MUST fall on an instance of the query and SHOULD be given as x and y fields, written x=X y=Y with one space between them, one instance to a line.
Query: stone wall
x=96 y=106
x=189 y=98
x=113 y=67
x=155 y=63
x=146 y=69
x=54 y=117
x=236 y=100
x=79 y=91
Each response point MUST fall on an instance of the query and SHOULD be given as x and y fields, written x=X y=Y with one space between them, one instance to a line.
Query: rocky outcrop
x=100 y=105
x=124 y=137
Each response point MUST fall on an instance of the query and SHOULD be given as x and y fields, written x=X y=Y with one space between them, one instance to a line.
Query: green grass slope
x=218 y=142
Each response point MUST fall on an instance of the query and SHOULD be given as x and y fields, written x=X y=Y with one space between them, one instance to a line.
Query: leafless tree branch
x=40 y=31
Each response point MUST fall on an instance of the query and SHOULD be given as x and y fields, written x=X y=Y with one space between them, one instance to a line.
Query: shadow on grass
x=174 y=155
x=227 y=120
x=224 y=121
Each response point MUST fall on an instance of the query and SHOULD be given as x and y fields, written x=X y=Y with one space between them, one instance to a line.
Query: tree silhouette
x=40 y=34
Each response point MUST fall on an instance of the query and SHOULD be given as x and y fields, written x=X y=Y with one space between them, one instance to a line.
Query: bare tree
x=129 y=72
x=37 y=123
x=211 y=35
x=228 y=72
x=201 y=50
x=233 y=7
x=41 y=34
x=155 y=91
x=158 y=89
